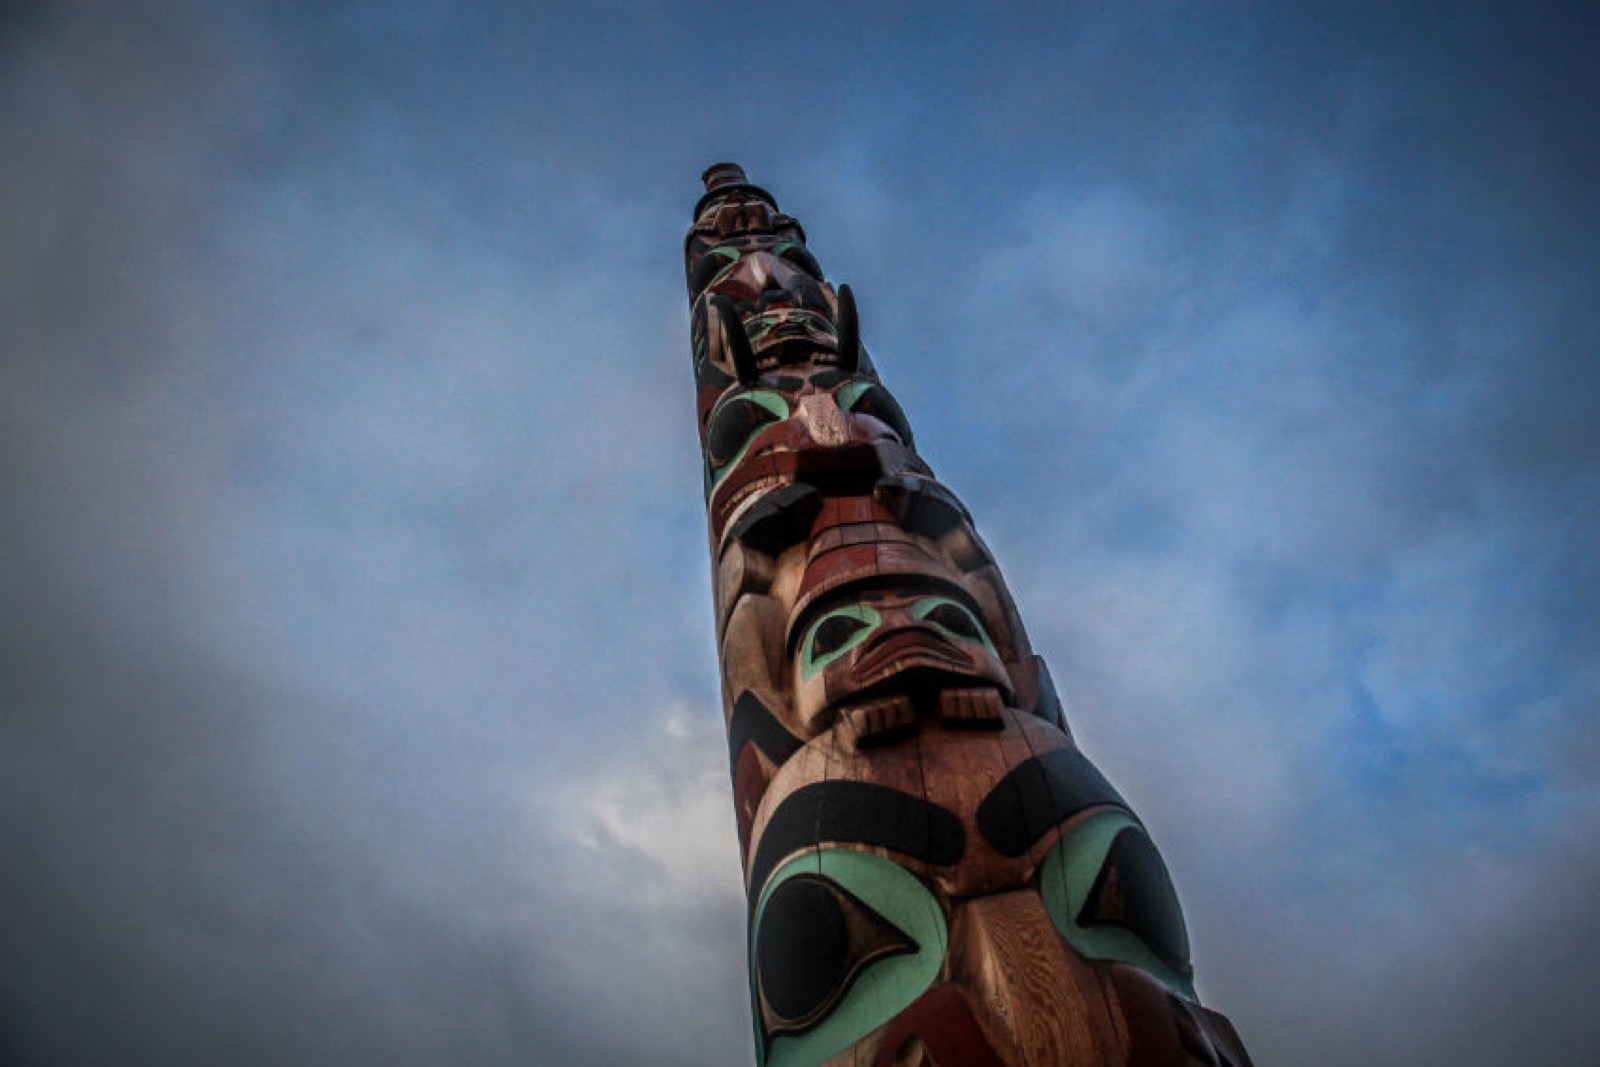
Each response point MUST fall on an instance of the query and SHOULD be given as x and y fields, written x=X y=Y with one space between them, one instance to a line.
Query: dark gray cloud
x=359 y=697
x=296 y=552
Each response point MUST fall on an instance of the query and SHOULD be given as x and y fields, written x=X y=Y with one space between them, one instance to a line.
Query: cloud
x=1307 y=608
x=645 y=844
x=311 y=508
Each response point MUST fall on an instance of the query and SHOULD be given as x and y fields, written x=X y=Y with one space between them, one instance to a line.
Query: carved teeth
x=872 y=720
x=971 y=709
x=749 y=491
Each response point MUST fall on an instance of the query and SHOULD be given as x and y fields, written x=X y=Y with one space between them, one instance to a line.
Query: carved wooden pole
x=935 y=873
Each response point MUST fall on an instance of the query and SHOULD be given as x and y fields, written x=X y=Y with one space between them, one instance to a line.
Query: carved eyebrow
x=1040 y=794
x=862 y=813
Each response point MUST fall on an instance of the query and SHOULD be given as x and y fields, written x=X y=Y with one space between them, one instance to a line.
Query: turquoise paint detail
x=1065 y=879
x=850 y=394
x=928 y=604
x=773 y=402
x=764 y=323
x=884 y=988
x=809 y=664
x=847 y=396
x=729 y=254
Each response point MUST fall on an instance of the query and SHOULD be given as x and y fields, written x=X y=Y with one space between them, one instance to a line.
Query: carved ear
x=729 y=328
x=849 y=331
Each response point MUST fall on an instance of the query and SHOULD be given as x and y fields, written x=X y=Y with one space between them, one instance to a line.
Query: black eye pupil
x=802 y=953
x=955 y=620
x=815 y=937
x=731 y=426
x=833 y=633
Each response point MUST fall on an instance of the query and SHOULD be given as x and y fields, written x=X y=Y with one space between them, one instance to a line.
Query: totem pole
x=935 y=873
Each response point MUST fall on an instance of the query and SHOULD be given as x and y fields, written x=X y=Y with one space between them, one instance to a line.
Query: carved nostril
x=851 y=470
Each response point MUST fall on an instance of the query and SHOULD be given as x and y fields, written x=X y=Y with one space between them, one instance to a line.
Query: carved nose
x=822 y=418
x=835 y=463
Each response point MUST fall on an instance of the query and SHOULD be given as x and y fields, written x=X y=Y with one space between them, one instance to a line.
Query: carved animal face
x=894 y=907
x=837 y=432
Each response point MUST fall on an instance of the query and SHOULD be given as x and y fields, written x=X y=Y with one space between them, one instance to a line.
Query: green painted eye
x=710 y=266
x=1110 y=897
x=834 y=634
x=734 y=423
x=841 y=942
x=870 y=398
x=953 y=618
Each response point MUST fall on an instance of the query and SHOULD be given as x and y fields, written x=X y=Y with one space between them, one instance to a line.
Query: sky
x=358 y=696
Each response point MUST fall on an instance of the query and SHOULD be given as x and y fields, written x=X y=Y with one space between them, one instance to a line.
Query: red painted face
x=819 y=426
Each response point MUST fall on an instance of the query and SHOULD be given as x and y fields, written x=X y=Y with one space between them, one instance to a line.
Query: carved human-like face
x=901 y=644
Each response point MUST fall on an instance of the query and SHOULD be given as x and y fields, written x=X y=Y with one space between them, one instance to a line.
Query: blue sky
x=359 y=695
